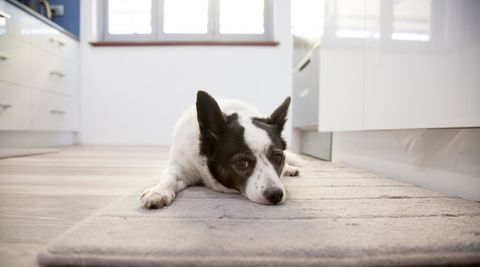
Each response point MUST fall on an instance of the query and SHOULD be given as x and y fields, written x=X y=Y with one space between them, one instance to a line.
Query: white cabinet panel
x=53 y=41
x=14 y=61
x=342 y=62
x=341 y=90
x=14 y=107
x=422 y=68
x=53 y=112
x=36 y=55
x=52 y=73
x=18 y=25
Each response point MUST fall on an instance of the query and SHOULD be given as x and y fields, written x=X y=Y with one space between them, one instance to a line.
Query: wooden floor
x=42 y=196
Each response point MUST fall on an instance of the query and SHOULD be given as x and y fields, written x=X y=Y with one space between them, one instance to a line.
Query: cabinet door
x=305 y=92
x=422 y=68
x=49 y=72
x=14 y=107
x=14 y=61
x=342 y=63
x=18 y=25
x=53 y=41
x=51 y=112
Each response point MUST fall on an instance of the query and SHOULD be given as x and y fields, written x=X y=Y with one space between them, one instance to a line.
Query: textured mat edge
x=41 y=258
x=434 y=259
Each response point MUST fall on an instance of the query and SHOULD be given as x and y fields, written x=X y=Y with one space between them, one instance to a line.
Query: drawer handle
x=305 y=64
x=4 y=56
x=5 y=106
x=57 y=41
x=5 y=15
x=57 y=111
x=57 y=73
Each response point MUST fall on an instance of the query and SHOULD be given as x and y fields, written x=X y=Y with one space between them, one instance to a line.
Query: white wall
x=135 y=95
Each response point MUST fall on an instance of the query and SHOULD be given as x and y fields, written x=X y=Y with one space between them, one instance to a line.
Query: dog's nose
x=274 y=195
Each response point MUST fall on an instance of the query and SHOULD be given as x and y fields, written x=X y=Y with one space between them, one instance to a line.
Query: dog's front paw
x=291 y=171
x=153 y=199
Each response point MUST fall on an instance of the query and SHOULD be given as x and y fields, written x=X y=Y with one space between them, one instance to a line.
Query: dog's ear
x=211 y=120
x=279 y=116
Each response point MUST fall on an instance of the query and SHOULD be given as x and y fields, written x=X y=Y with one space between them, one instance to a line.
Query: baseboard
x=12 y=139
x=447 y=159
x=316 y=144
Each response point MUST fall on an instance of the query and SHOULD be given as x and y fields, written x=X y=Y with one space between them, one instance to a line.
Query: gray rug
x=334 y=215
x=22 y=152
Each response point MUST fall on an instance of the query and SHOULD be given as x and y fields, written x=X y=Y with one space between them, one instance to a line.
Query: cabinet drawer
x=52 y=73
x=14 y=61
x=53 y=41
x=14 y=107
x=305 y=92
x=51 y=112
x=18 y=25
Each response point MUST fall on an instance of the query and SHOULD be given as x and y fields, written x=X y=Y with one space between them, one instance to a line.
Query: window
x=188 y=20
x=307 y=18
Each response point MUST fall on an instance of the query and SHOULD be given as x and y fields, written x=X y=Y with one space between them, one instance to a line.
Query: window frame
x=212 y=35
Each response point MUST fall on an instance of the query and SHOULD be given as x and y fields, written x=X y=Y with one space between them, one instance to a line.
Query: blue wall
x=70 y=21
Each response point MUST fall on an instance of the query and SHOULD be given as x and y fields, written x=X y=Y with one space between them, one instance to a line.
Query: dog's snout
x=274 y=195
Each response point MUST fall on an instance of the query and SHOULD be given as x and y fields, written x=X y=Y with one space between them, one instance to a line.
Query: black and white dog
x=230 y=147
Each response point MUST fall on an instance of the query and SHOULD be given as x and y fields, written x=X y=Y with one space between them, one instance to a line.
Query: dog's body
x=227 y=146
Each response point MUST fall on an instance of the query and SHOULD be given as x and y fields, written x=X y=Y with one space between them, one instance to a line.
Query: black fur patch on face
x=229 y=159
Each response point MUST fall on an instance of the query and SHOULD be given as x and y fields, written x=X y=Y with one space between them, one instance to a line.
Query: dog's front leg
x=163 y=193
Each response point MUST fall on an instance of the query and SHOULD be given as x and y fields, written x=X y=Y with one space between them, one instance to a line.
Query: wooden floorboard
x=43 y=196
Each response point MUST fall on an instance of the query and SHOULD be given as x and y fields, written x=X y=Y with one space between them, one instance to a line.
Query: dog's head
x=244 y=153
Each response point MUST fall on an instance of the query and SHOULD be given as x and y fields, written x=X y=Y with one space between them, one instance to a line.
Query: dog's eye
x=278 y=158
x=242 y=164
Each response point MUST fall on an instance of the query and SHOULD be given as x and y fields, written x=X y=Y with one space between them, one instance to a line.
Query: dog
x=229 y=147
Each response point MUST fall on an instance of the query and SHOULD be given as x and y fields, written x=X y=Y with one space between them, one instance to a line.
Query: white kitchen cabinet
x=341 y=90
x=424 y=72
x=18 y=25
x=53 y=73
x=52 y=112
x=399 y=65
x=53 y=41
x=342 y=62
x=15 y=107
x=14 y=61
x=38 y=73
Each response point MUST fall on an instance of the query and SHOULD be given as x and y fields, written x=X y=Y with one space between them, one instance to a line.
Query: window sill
x=209 y=43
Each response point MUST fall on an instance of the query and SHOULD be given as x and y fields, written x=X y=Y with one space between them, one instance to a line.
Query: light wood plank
x=43 y=196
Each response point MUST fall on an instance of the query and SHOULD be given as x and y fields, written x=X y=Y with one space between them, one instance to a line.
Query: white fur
x=186 y=167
